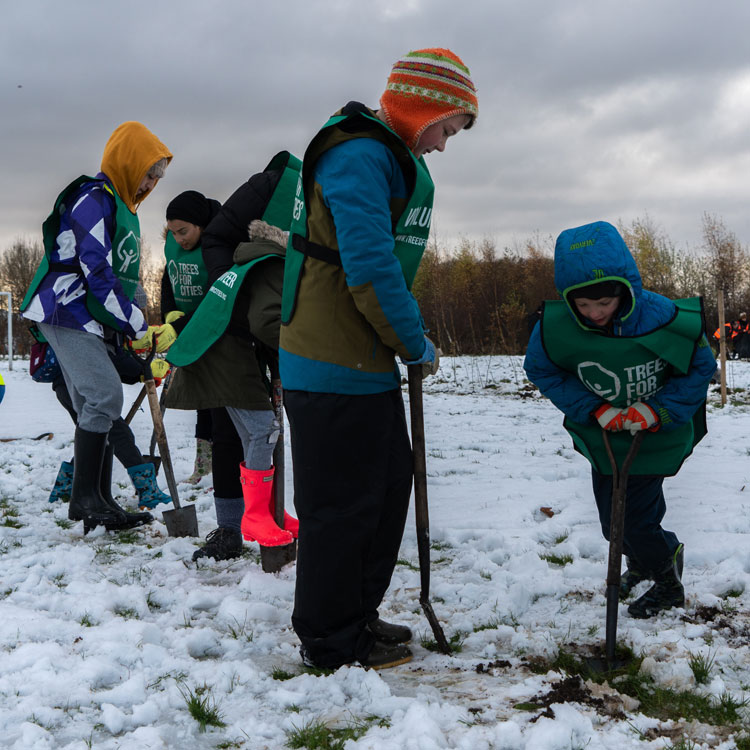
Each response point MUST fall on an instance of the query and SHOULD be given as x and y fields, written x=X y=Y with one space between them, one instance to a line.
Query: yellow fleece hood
x=131 y=151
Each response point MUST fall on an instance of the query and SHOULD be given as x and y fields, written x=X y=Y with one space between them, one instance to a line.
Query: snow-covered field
x=103 y=637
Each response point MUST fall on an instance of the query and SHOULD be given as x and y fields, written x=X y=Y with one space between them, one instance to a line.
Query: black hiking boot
x=667 y=591
x=389 y=632
x=386 y=655
x=86 y=501
x=632 y=576
x=221 y=544
x=381 y=656
x=105 y=488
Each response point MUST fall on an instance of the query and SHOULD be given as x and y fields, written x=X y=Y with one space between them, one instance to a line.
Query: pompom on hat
x=424 y=87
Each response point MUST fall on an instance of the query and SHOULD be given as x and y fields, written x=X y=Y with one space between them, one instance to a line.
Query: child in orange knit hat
x=426 y=87
x=362 y=221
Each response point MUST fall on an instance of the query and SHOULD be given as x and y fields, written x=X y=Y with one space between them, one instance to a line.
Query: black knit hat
x=597 y=291
x=193 y=207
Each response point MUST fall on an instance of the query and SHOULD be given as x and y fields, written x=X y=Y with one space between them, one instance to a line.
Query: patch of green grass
x=317 y=671
x=127 y=613
x=316 y=735
x=485 y=574
x=684 y=744
x=700 y=666
x=743 y=743
x=655 y=701
x=106 y=553
x=9 y=515
x=554 y=559
x=86 y=620
x=407 y=563
x=439 y=546
x=732 y=593
x=228 y=744
x=202 y=706
x=151 y=603
x=64 y=523
x=240 y=631
x=493 y=624
x=127 y=536
x=281 y=674
x=59 y=580
x=560 y=538
x=178 y=677
x=455 y=642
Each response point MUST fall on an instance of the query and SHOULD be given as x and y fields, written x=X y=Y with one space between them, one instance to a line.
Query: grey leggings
x=259 y=431
x=93 y=382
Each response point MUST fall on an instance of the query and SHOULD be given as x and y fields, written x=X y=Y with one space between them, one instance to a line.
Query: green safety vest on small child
x=623 y=370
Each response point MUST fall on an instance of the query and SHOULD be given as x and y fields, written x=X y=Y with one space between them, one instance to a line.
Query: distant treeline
x=477 y=299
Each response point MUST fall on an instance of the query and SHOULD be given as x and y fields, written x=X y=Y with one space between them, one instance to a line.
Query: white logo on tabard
x=600 y=380
x=127 y=255
x=174 y=273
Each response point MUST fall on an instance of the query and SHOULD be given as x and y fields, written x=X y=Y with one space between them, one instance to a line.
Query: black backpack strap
x=314 y=250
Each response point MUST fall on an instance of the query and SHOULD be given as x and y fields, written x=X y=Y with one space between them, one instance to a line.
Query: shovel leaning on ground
x=180 y=521
x=420 y=502
x=152 y=457
x=273 y=559
x=616 y=533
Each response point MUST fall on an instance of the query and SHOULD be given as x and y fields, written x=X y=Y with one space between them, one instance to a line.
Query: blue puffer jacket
x=588 y=255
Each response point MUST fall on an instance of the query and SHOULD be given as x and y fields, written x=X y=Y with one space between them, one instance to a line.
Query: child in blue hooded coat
x=613 y=356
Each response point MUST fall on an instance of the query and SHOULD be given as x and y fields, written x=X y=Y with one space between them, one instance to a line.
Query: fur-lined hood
x=261 y=230
x=264 y=238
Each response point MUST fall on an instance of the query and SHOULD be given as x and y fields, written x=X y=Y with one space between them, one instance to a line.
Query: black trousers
x=644 y=539
x=203 y=429
x=352 y=481
x=226 y=455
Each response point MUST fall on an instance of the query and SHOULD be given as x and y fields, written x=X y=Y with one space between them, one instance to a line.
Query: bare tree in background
x=727 y=260
x=152 y=268
x=654 y=254
x=18 y=264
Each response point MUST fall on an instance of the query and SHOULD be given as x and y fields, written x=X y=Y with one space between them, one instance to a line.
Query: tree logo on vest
x=127 y=251
x=601 y=381
x=174 y=273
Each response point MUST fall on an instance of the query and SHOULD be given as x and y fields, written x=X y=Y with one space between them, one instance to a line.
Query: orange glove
x=609 y=417
x=640 y=416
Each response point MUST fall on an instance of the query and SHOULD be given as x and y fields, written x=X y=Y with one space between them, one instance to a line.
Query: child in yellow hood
x=82 y=302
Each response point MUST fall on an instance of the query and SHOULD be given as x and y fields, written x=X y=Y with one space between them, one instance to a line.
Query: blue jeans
x=644 y=540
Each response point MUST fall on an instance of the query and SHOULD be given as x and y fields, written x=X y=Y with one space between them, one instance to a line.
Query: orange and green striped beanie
x=424 y=87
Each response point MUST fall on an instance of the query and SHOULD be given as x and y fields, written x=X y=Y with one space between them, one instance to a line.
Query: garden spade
x=180 y=521
x=273 y=559
x=616 y=533
x=420 y=502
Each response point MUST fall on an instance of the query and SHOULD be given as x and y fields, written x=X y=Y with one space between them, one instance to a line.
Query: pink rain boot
x=257 y=521
x=291 y=524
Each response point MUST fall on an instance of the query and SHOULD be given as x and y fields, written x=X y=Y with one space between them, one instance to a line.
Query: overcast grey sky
x=588 y=109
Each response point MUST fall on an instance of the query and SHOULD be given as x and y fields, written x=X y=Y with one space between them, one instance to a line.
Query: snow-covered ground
x=102 y=637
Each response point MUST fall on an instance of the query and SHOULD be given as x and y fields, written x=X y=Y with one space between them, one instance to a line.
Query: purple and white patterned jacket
x=84 y=243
